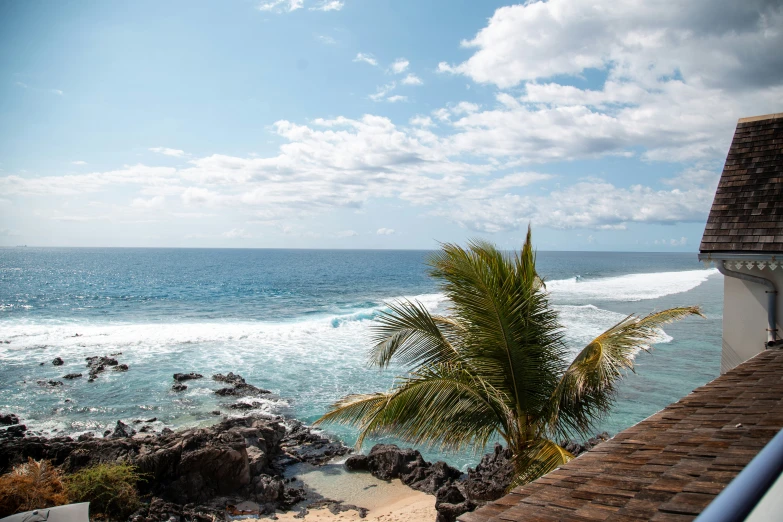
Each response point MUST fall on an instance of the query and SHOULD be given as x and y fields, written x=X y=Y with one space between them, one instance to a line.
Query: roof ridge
x=762 y=117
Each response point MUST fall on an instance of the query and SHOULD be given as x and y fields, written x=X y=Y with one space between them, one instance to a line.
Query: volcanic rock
x=72 y=376
x=7 y=419
x=121 y=368
x=57 y=361
x=231 y=378
x=179 y=377
x=177 y=387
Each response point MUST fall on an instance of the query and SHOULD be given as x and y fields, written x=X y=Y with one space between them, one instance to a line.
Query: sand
x=387 y=501
x=415 y=506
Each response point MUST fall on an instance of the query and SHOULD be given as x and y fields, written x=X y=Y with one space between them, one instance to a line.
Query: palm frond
x=412 y=336
x=537 y=458
x=442 y=406
x=586 y=390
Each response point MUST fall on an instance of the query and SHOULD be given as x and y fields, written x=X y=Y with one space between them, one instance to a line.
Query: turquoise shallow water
x=295 y=322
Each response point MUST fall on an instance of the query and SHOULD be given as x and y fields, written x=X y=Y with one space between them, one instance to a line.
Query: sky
x=604 y=124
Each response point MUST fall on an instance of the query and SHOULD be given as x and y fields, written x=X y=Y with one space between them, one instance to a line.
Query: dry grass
x=29 y=486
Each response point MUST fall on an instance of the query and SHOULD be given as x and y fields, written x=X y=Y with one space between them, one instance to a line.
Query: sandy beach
x=410 y=506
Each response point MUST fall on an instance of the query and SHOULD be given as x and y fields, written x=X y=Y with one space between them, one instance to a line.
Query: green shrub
x=29 y=486
x=109 y=488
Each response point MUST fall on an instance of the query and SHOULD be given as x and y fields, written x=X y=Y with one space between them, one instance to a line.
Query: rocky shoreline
x=237 y=466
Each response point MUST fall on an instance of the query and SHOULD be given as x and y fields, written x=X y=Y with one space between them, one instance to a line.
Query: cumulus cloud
x=399 y=66
x=328 y=5
x=78 y=162
x=176 y=153
x=412 y=79
x=385 y=231
x=366 y=58
x=396 y=98
x=347 y=233
x=281 y=6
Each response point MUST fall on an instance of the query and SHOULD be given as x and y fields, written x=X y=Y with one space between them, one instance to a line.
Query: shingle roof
x=667 y=467
x=747 y=213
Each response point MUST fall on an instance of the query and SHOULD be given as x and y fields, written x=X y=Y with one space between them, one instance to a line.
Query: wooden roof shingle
x=747 y=212
x=670 y=466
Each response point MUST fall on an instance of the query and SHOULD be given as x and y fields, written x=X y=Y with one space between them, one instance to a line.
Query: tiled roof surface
x=667 y=467
x=747 y=213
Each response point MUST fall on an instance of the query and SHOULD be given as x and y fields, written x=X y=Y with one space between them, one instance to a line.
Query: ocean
x=295 y=322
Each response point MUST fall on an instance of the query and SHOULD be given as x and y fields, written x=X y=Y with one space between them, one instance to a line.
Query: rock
x=7 y=419
x=230 y=378
x=215 y=412
x=146 y=429
x=97 y=365
x=166 y=431
x=72 y=376
x=122 y=430
x=303 y=445
x=86 y=436
x=177 y=387
x=245 y=406
x=179 y=377
x=241 y=389
x=492 y=477
x=51 y=384
x=15 y=431
x=357 y=463
x=57 y=361
x=121 y=368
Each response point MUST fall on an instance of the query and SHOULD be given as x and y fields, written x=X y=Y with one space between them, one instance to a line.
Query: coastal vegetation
x=497 y=366
x=110 y=488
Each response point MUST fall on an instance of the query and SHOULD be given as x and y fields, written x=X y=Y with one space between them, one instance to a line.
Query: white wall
x=745 y=315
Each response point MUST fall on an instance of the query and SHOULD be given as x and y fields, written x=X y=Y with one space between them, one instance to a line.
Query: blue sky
x=375 y=124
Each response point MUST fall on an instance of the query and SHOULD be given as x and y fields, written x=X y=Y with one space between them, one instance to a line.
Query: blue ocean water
x=295 y=322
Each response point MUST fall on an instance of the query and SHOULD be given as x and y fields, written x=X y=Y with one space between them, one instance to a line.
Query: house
x=744 y=238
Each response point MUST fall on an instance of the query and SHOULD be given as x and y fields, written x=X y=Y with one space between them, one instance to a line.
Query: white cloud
x=412 y=79
x=399 y=66
x=421 y=121
x=328 y=40
x=58 y=92
x=154 y=202
x=396 y=98
x=385 y=231
x=712 y=40
x=329 y=5
x=366 y=58
x=347 y=233
x=168 y=152
x=236 y=233
x=382 y=91
x=280 y=6
x=78 y=162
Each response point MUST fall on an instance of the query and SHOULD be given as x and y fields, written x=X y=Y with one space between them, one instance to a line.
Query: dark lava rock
x=57 y=361
x=215 y=412
x=242 y=389
x=160 y=510
x=245 y=406
x=86 y=436
x=301 y=444
x=179 y=377
x=51 y=384
x=121 y=368
x=97 y=365
x=492 y=477
x=72 y=376
x=122 y=430
x=11 y=432
x=231 y=378
x=146 y=429
x=177 y=387
x=7 y=419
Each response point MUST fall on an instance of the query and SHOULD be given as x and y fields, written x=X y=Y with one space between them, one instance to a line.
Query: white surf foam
x=631 y=287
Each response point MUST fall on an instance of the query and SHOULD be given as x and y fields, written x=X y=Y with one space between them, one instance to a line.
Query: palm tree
x=496 y=366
